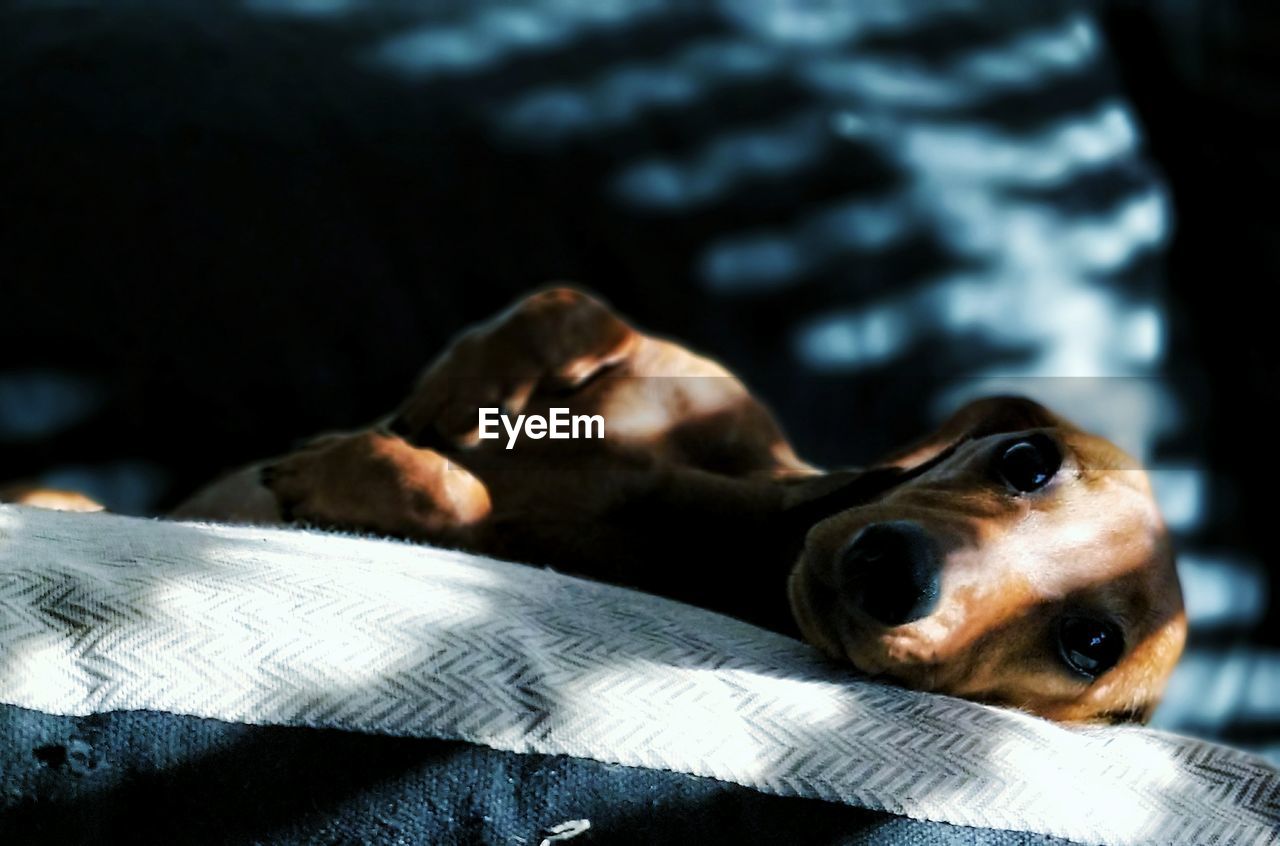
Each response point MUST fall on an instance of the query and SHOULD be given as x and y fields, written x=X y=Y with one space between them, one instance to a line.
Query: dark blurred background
x=227 y=225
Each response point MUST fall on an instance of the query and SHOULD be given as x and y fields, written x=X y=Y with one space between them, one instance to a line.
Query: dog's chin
x=825 y=625
x=841 y=636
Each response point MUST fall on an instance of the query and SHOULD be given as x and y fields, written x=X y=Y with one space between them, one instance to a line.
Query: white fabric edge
x=273 y=627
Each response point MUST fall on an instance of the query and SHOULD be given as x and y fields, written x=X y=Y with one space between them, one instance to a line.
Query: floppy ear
x=976 y=419
x=810 y=499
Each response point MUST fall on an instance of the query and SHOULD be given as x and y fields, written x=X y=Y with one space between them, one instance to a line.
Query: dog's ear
x=808 y=500
x=976 y=419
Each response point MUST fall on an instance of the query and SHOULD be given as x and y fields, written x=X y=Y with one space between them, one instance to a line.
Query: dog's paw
x=553 y=342
x=374 y=481
x=302 y=483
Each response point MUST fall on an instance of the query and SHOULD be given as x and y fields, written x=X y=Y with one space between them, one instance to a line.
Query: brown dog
x=1009 y=558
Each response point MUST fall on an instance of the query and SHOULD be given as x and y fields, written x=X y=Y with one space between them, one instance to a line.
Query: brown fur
x=695 y=494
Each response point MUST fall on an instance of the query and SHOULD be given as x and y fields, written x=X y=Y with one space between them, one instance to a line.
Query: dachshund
x=1008 y=558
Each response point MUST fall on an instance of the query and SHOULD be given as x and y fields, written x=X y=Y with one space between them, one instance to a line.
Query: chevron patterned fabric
x=102 y=614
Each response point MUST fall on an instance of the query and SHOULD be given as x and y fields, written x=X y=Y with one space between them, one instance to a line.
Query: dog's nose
x=892 y=572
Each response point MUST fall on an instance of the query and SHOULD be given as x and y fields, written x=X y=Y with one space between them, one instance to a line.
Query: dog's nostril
x=892 y=572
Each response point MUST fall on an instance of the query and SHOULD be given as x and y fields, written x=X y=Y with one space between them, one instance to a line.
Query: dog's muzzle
x=891 y=572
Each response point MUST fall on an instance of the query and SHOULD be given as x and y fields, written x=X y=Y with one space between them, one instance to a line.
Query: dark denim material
x=149 y=777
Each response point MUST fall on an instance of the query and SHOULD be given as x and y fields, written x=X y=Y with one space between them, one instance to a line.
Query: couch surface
x=260 y=684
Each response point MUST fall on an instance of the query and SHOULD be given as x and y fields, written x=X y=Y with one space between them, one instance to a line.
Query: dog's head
x=1010 y=558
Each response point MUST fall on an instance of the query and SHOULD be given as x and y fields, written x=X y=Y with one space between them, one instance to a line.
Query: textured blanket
x=115 y=632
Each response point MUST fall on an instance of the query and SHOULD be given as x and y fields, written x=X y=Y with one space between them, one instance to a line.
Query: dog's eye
x=1090 y=647
x=1028 y=464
